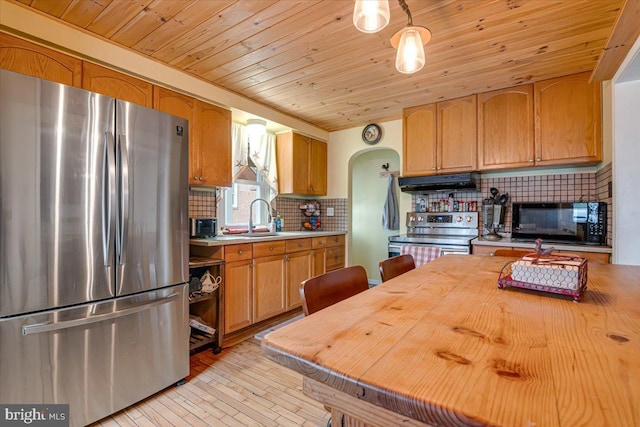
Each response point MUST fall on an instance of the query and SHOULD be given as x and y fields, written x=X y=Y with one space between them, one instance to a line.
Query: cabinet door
x=568 y=120
x=505 y=128
x=298 y=269
x=457 y=135
x=117 y=85
x=419 y=140
x=268 y=287
x=292 y=151
x=182 y=106
x=318 y=167
x=28 y=58
x=214 y=144
x=318 y=262
x=238 y=295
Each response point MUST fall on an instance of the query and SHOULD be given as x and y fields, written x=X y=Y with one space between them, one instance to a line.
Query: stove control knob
x=458 y=219
x=420 y=219
x=469 y=219
x=412 y=219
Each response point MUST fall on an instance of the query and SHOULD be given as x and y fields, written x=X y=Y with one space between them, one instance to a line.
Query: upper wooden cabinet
x=457 y=135
x=37 y=61
x=117 y=85
x=212 y=148
x=302 y=164
x=419 y=144
x=440 y=138
x=568 y=120
x=505 y=128
x=209 y=136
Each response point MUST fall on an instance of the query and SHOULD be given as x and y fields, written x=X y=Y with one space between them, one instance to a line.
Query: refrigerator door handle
x=124 y=199
x=108 y=207
x=37 y=328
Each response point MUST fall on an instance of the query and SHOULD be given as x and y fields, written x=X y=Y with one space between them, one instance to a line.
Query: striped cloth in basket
x=421 y=254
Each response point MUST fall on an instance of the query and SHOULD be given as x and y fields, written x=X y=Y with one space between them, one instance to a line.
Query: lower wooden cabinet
x=298 y=269
x=268 y=287
x=598 y=257
x=262 y=280
x=328 y=254
x=238 y=295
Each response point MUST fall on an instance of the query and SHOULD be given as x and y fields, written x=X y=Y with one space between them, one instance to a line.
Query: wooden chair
x=326 y=289
x=513 y=252
x=395 y=266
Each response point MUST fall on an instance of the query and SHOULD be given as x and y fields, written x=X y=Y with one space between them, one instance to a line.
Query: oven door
x=394 y=248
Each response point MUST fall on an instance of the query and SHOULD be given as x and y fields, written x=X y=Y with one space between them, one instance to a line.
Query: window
x=233 y=208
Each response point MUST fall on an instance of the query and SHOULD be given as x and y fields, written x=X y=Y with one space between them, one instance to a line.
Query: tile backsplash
x=202 y=204
x=569 y=187
x=293 y=217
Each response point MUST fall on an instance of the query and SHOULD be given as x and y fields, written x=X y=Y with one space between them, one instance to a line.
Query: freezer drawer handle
x=51 y=326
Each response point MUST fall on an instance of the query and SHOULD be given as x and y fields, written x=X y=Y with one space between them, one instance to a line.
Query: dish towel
x=421 y=254
x=390 y=214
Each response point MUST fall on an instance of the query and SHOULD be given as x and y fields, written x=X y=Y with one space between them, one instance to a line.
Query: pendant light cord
x=405 y=7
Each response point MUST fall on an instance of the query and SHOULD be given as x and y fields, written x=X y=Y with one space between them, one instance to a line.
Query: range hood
x=435 y=183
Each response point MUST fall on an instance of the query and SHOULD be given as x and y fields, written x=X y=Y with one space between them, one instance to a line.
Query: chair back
x=326 y=289
x=395 y=266
x=513 y=252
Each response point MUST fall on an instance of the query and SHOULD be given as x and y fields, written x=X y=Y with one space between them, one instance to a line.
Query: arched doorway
x=368 y=192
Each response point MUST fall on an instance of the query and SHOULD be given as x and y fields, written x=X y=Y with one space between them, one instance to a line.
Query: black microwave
x=577 y=222
x=203 y=227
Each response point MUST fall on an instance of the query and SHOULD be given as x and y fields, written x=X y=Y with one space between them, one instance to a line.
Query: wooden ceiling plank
x=284 y=65
x=625 y=32
x=173 y=32
x=309 y=24
x=53 y=8
x=115 y=16
x=152 y=17
x=331 y=77
x=241 y=36
x=83 y=12
x=203 y=34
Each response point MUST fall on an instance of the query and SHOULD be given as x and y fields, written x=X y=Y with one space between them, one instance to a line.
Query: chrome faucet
x=251 y=213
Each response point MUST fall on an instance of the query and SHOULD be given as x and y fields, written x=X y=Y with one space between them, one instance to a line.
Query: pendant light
x=410 y=43
x=371 y=16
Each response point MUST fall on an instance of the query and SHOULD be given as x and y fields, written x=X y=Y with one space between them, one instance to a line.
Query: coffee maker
x=493 y=209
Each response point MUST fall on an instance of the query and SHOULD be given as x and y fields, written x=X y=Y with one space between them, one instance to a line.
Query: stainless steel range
x=452 y=232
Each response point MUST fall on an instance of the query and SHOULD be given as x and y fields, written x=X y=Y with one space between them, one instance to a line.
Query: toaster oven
x=203 y=227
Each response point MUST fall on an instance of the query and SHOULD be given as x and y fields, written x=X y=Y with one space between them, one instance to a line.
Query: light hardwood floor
x=238 y=387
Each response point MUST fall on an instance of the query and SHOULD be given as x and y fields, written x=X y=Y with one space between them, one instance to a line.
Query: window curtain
x=263 y=155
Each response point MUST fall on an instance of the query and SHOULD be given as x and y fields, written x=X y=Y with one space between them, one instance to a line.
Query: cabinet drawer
x=297 y=245
x=335 y=240
x=334 y=258
x=319 y=242
x=237 y=252
x=269 y=248
x=595 y=257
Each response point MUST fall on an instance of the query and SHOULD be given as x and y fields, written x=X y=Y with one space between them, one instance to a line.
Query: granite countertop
x=231 y=239
x=507 y=241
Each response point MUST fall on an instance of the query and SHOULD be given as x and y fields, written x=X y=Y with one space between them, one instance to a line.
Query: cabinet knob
x=201 y=179
x=491 y=254
x=530 y=160
x=538 y=159
x=240 y=252
x=195 y=178
x=271 y=248
x=433 y=168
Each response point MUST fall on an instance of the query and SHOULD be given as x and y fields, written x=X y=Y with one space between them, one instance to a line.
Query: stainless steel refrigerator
x=93 y=248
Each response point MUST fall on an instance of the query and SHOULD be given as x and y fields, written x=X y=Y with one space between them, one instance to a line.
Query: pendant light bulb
x=410 y=43
x=371 y=16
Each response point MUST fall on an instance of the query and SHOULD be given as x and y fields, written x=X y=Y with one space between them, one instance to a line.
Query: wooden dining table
x=442 y=345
